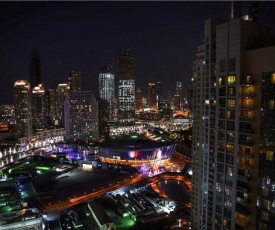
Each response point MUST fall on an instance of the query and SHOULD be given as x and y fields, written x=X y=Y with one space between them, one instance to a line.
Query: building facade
x=152 y=96
x=38 y=108
x=232 y=101
x=260 y=64
x=138 y=97
x=61 y=93
x=126 y=88
x=74 y=80
x=50 y=106
x=107 y=90
x=81 y=116
x=22 y=108
x=203 y=110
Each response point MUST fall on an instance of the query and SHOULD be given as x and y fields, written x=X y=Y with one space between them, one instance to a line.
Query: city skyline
x=82 y=36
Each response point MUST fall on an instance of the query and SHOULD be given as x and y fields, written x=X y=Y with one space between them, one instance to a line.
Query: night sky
x=82 y=36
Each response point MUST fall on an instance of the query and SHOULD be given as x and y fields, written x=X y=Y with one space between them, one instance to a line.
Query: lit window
x=220 y=81
x=207 y=102
x=231 y=103
x=265 y=215
x=269 y=155
x=273 y=78
x=271 y=104
x=231 y=79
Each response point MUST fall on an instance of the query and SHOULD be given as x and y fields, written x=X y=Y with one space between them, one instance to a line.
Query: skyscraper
x=61 y=93
x=203 y=110
x=159 y=90
x=38 y=108
x=260 y=64
x=81 y=116
x=74 y=80
x=50 y=106
x=107 y=90
x=152 y=96
x=22 y=108
x=139 y=100
x=35 y=69
x=126 y=88
x=178 y=97
x=227 y=146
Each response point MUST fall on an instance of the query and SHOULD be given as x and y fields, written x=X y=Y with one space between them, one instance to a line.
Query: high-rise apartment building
x=260 y=66
x=38 y=108
x=139 y=105
x=50 y=106
x=203 y=110
x=228 y=133
x=126 y=88
x=152 y=96
x=35 y=69
x=61 y=93
x=107 y=90
x=178 y=104
x=159 y=88
x=22 y=108
x=74 y=80
x=81 y=116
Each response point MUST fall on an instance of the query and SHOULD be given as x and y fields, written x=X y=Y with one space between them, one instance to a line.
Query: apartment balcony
x=247 y=94
x=243 y=223
x=247 y=107
x=243 y=178
x=246 y=118
x=246 y=82
x=242 y=189
x=242 y=210
x=246 y=131
x=245 y=142
x=242 y=201
x=244 y=166
x=245 y=154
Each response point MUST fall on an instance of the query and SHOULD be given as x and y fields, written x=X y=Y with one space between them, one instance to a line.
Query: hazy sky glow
x=82 y=36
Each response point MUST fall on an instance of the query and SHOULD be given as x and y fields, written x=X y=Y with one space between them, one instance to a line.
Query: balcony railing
x=242 y=223
x=242 y=201
x=244 y=166
x=243 y=178
x=245 y=154
x=248 y=107
x=245 y=142
x=247 y=94
x=247 y=131
x=246 y=118
x=247 y=82
x=242 y=189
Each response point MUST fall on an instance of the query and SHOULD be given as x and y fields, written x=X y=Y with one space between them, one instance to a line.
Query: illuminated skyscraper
x=152 y=96
x=159 y=90
x=35 y=69
x=74 y=80
x=233 y=129
x=38 y=108
x=126 y=88
x=22 y=108
x=203 y=110
x=61 y=93
x=81 y=116
x=178 y=97
x=50 y=106
x=139 y=100
x=107 y=90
